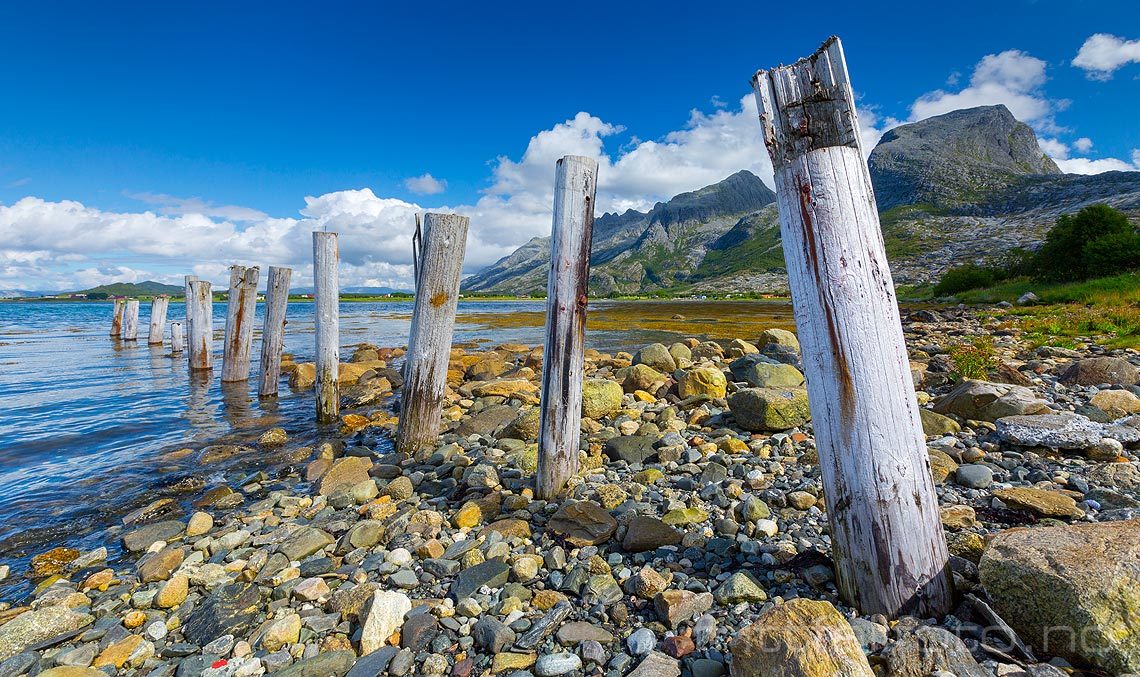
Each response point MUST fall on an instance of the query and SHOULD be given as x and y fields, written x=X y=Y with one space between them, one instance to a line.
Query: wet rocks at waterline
x=694 y=539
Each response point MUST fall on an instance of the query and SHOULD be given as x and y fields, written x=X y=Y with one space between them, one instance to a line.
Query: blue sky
x=218 y=120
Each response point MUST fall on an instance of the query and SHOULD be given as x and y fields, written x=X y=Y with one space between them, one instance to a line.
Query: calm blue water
x=85 y=419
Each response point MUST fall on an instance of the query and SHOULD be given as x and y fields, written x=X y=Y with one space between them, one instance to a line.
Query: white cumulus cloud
x=425 y=184
x=1102 y=54
x=1012 y=77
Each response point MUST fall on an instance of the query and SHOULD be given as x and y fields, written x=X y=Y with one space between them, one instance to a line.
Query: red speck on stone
x=219 y=664
x=679 y=646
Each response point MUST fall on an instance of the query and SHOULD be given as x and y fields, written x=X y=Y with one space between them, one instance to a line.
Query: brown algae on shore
x=725 y=320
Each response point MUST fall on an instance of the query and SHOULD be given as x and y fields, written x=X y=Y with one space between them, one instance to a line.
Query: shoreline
x=711 y=520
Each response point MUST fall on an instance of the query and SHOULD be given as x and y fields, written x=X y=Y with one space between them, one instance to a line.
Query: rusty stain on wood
x=438 y=299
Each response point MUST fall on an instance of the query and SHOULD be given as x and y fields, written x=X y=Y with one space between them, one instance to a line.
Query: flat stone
x=576 y=632
x=582 y=523
x=328 y=664
x=492 y=573
x=657 y=664
x=159 y=565
x=488 y=421
x=343 y=474
x=304 y=542
x=673 y=607
x=373 y=664
x=555 y=664
x=229 y=610
x=1061 y=431
x=633 y=449
x=646 y=533
x=739 y=587
x=1039 y=501
x=33 y=627
x=142 y=538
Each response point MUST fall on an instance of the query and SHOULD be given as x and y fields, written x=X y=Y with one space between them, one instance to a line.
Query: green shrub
x=1112 y=254
x=968 y=276
x=1064 y=256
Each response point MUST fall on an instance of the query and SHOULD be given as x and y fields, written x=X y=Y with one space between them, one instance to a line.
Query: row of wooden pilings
x=889 y=551
x=438 y=254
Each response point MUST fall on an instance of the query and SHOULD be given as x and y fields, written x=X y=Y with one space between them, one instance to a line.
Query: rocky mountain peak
x=953 y=159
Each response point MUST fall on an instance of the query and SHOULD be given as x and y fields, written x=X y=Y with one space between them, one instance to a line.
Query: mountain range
x=959 y=187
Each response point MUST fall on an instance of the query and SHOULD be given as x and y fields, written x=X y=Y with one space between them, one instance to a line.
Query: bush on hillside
x=1097 y=241
x=968 y=276
x=1065 y=255
x=1112 y=254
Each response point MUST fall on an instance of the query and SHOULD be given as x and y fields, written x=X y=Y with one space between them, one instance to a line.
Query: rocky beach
x=694 y=541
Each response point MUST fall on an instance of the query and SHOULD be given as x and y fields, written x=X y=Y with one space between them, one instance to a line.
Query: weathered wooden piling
x=200 y=325
x=241 y=307
x=130 y=331
x=889 y=551
x=326 y=298
x=157 y=319
x=560 y=422
x=186 y=302
x=176 y=339
x=273 y=331
x=439 y=268
x=117 y=318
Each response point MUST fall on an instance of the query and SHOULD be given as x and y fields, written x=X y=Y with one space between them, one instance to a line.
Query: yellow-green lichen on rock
x=1072 y=590
x=799 y=638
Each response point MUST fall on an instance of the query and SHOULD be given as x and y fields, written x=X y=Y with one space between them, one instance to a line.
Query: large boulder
x=709 y=381
x=765 y=409
x=985 y=401
x=1116 y=403
x=760 y=371
x=1093 y=371
x=600 y=397
x=799 y=638
x=641 y=377
x=656 y=355
x=32 y=627
x=1061 y=431
x=780 y=337
x=1071 y=591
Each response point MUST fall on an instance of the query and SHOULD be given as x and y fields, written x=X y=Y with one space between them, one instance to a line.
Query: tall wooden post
x=130 y=330
x=273 y=331
x=241 y=307
x=433 y=319
x=575 y=184
x=186 y=303
x=326 y=298
x=200 y=325
x=117 y=318
x=157 y=319
x=889 y=551
x=176 y=339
